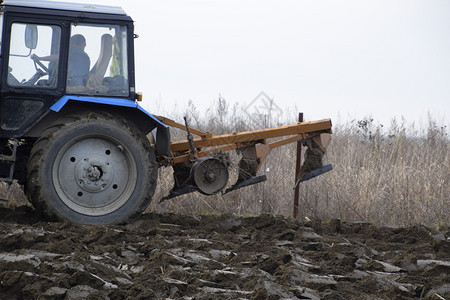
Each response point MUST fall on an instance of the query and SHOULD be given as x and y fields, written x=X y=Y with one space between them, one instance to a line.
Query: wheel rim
x=94 y=175
x=210 y=175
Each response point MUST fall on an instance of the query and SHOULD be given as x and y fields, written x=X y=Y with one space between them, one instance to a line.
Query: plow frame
x=252 y=145
x=208 y=143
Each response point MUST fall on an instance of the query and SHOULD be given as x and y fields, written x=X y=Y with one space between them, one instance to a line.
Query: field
x=376 y=227
x=172 y=256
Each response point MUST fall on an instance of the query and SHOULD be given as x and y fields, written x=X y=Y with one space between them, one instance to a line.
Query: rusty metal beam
x=172 y=123
x=262 y=134
x=203 y=153
x=183 y=156
x=288 y=140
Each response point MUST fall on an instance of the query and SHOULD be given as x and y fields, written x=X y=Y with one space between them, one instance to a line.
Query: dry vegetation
x=396 y=174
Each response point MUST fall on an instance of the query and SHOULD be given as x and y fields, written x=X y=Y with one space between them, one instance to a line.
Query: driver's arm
x=53 y=57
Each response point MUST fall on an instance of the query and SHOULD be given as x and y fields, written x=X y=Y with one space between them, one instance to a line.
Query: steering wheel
x=37 y=62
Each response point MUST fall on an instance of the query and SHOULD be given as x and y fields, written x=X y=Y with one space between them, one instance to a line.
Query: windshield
x=34 y=55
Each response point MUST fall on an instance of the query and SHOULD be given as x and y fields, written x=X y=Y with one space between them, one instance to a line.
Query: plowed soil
x=220 y=257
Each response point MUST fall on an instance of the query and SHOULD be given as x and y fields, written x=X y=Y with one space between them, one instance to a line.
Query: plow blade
x=187 y=189
x=314 y=173
x=247 y=182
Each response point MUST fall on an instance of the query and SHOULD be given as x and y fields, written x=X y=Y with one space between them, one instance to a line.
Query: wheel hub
x=210 y=177
x=94 y=174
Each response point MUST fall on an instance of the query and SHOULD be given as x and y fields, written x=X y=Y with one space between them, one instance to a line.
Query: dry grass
x=394 y=175
x=395 y=178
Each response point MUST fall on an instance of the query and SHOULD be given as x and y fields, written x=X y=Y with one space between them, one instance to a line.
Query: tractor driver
x=79 y=62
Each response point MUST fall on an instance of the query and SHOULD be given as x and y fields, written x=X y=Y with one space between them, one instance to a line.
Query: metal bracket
x=190 y=141
x=9 y=159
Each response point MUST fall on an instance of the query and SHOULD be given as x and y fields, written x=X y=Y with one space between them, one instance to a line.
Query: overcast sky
x=385 y=58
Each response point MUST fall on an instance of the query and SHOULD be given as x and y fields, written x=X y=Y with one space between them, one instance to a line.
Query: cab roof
x=66 y=6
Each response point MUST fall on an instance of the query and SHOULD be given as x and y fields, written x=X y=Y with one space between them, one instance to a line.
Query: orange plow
x=201 y=164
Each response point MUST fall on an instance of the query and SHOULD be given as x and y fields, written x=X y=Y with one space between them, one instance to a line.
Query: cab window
x=34 y=55
x=97 y=63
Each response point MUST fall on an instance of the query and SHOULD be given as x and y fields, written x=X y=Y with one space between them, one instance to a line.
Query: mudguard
x=162 y=135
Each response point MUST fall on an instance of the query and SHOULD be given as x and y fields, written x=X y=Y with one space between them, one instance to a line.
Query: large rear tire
x=92 y=169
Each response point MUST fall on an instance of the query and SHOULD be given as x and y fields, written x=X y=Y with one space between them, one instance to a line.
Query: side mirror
x=31 y=36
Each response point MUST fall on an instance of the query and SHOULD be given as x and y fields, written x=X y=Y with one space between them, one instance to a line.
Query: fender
x=162 y=135
x=108 y=101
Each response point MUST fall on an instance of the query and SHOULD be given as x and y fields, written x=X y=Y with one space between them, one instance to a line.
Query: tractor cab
x=52 y=49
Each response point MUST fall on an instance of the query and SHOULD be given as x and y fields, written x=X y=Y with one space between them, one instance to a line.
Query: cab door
x=31 y=73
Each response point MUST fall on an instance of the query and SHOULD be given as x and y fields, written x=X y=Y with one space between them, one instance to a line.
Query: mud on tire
x=92 y=168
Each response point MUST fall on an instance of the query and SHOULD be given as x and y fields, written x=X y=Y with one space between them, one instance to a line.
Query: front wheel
x=92 y=169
